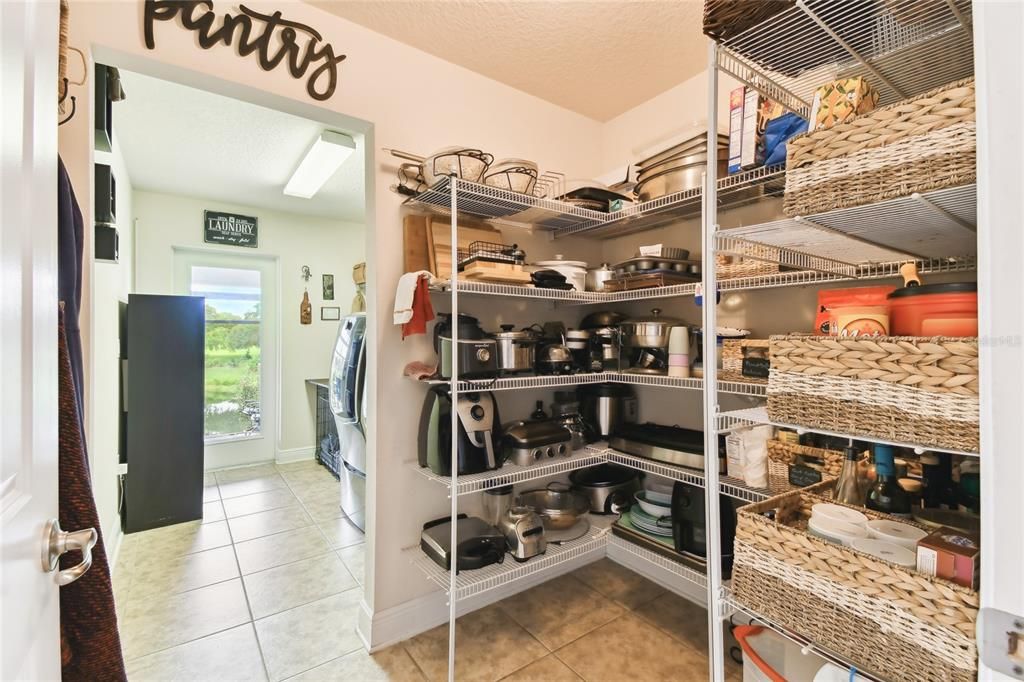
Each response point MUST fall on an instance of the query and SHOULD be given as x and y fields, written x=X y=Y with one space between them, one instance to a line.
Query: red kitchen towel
x=422 y=310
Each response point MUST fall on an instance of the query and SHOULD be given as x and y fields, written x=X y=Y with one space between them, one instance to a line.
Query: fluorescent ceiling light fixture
x=322 y=161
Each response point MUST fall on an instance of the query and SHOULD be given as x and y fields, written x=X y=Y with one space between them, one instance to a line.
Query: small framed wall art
x=328 y=287
x=330 y=313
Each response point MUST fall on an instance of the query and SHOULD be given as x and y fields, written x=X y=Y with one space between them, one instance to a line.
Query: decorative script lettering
x=254 y=32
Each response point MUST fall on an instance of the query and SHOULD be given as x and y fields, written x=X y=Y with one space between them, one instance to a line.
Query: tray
x=649 y=281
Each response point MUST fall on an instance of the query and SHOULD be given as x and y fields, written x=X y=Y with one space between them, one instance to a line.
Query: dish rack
x=489 y=252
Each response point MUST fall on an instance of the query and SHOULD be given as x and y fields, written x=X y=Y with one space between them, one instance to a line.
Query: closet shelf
x=732 y=487
x=556 y=381
x=663 y=565
x=733 y=605
x=936 y=225
x=590 y=547
x=903 y=48
x=728 y=421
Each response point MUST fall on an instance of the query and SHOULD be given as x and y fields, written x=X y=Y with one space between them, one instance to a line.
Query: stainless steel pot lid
x=602 y=318
x=655 y=318
x=508 y=333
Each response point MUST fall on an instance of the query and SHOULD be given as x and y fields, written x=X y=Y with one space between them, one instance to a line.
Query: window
x=232 y=392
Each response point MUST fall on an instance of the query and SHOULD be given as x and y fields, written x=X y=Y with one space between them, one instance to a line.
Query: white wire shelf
x=471 y=583
x=728 y=421
x=934 y=225
x=510 y=474
x=673 y=569
x=733 y=605
x=903 y=48
x=556 y=381
x=733 y=487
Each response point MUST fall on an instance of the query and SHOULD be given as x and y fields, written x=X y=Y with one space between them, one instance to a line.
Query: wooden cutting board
x=505 y=273
x=440 y=229
x=415 y=249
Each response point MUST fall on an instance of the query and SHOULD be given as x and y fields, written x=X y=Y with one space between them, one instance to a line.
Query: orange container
x=949 y=309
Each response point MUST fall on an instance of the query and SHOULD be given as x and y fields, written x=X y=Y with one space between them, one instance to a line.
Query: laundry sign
x=231 y=229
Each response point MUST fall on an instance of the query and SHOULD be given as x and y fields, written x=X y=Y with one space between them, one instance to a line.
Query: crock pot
x=517 y=350
x=608 y=487
x=949 y=309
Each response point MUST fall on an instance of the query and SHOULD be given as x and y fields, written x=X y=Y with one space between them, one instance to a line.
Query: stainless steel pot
x=555 y=359
x=608 y=487
x=677 y=178
x=596 y=277
x=517 y=350
x=558 y=506
x=648 y=332
x=577 y=339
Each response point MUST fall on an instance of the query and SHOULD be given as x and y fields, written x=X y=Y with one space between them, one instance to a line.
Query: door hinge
x=1002 y=641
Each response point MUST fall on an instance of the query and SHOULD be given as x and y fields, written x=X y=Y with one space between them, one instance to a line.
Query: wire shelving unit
x=513 y=383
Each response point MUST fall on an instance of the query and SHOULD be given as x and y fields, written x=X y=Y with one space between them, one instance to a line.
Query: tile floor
x=267 y=587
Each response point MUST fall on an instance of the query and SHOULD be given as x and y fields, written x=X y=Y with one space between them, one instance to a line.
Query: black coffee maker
x=479 y=432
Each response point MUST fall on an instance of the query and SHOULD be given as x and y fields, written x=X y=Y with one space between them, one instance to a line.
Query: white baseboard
x=382 y=629
x=113 y=546
x=295 y=454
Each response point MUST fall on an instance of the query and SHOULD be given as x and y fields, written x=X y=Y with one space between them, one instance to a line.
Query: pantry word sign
x=231 y=229
x=274 y=39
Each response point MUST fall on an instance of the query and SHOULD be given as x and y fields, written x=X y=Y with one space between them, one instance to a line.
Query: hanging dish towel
x=422 y=309
x=405 y=295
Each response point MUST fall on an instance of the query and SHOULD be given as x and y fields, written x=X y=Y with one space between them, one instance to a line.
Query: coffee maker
x=479 y=432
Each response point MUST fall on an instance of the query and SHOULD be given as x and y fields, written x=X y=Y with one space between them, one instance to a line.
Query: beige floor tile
x=618 y=583
x=629 y=648
x=155 y=623
x=341 y=533
x=246 y=473
x=390 y=665
x=547 y=669
x=285 y=587
x=280 y=548
x=258 y=502
x=212 y=511
x=680 y=618
x=355 y=560
x=229 y=655
x=309 y=478
x=209 y=479
x=211 y=493
x=267 y=523
x=301 y=465
x=560 y=610
x=304 y=637
x=183 y=538
x=325 y=509
x=183 y=573
x=251 y=486
x=489 y=646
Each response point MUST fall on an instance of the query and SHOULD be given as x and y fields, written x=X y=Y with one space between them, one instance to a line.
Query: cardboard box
x=735 y=128
x=749 y=147
x=840 y=101
x=950 y=554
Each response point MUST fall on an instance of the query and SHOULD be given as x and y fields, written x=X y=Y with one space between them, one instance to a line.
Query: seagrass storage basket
x=889 y=620
x=901 y=388
x=733 y=353
x=917 y=145
x=731 y=267
x=785 y=454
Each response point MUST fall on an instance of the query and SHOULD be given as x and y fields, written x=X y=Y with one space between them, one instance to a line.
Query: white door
x=241 y=352
x=29 y=615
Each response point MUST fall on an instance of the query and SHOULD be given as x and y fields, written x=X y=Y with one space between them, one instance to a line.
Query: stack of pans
x=679 y=168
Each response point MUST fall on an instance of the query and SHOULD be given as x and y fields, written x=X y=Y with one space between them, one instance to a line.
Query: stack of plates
x=661 y=526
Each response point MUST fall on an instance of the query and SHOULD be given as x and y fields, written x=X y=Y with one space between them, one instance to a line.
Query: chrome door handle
x=56 y=542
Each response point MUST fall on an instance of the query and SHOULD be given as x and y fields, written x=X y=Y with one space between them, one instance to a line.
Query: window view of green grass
x=232 y=372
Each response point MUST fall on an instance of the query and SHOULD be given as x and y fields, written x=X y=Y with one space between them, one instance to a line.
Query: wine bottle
x=848 y=487
x=886 y=495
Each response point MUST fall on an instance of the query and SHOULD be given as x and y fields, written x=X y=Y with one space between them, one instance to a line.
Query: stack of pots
x=679 y=168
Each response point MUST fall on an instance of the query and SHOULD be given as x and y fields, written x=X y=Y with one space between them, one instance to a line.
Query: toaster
x=526 y=443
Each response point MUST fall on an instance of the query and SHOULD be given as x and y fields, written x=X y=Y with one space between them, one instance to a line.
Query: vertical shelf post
x=716 y=642
x=453 y=491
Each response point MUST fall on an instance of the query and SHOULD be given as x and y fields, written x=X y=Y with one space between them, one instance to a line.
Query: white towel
x=405 y=292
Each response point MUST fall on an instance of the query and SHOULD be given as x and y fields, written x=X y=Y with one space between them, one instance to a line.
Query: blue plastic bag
x=777 y=132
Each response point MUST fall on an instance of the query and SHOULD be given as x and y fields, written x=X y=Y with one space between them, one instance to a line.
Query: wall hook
x=305 y=273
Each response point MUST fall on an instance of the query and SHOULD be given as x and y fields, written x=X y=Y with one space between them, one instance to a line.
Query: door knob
x=56 y=542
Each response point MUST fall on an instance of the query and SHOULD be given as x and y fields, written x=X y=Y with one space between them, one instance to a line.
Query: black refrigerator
x=163 y=343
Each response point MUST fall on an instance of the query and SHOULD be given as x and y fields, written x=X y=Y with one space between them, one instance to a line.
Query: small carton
x=735 y=128
x=950 y=554
x=750 y=150
x=840 y=101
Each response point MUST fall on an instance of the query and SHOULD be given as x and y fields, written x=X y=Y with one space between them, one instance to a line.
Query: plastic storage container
x=949 y=309
x=770 y=657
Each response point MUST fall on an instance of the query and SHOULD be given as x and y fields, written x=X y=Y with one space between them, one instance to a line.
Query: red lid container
x=949 y=309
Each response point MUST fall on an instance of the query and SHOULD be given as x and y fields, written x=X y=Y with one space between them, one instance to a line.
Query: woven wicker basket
x=900 y=388
x=787 y=453
x=732 y=359
x=731 y=267
x=892 y=621
x=724 y=19
x=917 y=145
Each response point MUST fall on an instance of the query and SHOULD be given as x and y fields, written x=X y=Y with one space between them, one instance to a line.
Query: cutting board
x=505 y=273
x=415 y=249
x=440 y=229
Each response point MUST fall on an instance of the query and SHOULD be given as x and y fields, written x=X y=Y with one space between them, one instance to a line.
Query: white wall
x=167 y=221
x=111 y=283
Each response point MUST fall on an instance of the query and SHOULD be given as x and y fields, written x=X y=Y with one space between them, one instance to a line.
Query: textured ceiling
x=599 y=58
x=180 y=140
